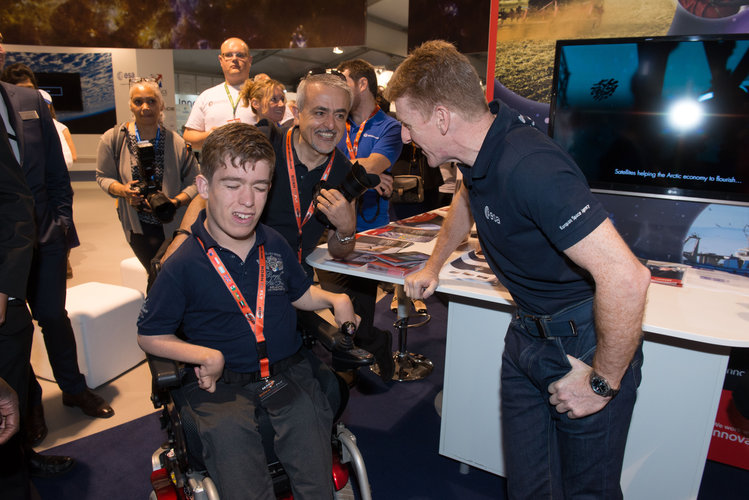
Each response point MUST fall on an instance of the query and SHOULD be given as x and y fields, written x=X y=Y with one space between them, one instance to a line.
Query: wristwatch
x=601 y=386
x=344 y=239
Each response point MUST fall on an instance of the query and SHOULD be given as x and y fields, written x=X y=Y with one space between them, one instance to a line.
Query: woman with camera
x=149 y=169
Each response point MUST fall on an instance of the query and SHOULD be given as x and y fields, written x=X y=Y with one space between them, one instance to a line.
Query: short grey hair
x=156 y=90
x=327 y=80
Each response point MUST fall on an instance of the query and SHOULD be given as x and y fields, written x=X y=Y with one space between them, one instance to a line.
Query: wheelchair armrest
x=165 y=373
x=346 y=356
x=313 y=325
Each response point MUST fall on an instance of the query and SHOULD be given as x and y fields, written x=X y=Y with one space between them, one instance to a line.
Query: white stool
x=104 y=320
x=133 y=274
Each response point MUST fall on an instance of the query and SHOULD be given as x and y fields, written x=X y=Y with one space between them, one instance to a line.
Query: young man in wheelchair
x=233 y=287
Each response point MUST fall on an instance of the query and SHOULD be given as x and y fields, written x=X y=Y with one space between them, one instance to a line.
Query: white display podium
x=104 y=319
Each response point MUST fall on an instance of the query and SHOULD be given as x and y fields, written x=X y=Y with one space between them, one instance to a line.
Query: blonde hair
x=259 y=90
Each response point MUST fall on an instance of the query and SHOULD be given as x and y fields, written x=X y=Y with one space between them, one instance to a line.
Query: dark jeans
x=46 y=296
x=547 y=454
x=146 y=245
x=15 y=349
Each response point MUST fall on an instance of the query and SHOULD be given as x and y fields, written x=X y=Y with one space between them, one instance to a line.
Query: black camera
x=356 y=182
x=148 y=187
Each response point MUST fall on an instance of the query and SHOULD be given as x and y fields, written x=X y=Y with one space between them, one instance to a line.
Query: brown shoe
x=92 y=404
x=35 y=428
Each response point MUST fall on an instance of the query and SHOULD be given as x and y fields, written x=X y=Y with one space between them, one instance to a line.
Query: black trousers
x=146 y=245
x=15 y=350
x=46 y=296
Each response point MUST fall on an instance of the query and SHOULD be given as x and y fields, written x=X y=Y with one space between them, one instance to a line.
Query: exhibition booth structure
x=657 y=118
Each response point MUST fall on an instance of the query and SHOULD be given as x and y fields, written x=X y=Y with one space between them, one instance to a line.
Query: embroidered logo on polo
x=376 y=138
x=491 y=215
x=274 y=270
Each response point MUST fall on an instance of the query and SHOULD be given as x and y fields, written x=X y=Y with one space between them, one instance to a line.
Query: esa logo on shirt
x=491 y=215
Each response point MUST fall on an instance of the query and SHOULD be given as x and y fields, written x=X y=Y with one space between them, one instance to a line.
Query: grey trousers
x=232 y=448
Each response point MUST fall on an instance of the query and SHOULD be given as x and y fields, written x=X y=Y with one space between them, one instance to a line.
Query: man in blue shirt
x=373 y=139
x=233 y=286
x=572 y=358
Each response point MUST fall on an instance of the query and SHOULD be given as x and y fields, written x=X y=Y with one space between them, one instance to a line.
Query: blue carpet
x=397 y=429
x=114 y=464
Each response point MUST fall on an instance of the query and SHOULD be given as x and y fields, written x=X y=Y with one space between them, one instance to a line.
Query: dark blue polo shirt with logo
x=188 y=290
x=530 y=203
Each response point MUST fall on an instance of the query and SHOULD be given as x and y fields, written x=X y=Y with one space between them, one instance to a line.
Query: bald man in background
x=220 y=105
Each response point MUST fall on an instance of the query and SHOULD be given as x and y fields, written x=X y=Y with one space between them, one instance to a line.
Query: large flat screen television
x=663 y=117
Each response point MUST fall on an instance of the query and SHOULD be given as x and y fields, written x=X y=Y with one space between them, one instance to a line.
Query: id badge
x=272 y=394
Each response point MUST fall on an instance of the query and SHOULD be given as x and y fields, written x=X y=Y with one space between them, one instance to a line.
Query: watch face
x=599 y=385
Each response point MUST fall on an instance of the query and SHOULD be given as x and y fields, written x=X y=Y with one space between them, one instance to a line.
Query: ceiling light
x=337 y=50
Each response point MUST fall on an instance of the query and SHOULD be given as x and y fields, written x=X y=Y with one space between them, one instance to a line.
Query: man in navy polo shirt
x=306 y=157
x=571 y=364
x=244 y=347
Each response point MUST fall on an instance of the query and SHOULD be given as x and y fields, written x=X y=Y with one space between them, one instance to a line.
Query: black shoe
x=48 y=465
x=35 y=428
x=92 y=404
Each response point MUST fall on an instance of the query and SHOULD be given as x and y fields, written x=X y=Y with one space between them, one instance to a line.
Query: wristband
x=344 y=239
x=180 y=231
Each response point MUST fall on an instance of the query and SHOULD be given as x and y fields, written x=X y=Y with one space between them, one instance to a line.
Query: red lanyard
x=295 y=189
x=353 y=149
x=255 y=320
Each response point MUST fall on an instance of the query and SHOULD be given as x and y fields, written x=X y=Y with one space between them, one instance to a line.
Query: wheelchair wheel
x=345 y=493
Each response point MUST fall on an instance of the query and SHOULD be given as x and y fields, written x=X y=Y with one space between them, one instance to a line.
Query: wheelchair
x=178 y=469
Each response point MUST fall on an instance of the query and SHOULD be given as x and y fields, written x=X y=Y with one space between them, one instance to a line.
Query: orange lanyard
x=296 y=200
x=255 y=320
x=353 y=149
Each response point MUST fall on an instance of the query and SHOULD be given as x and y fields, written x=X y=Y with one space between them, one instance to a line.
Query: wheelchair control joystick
x=348 y=329
x=346 y=352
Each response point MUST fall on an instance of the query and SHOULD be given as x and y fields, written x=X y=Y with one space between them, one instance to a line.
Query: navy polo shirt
x=189 y=291
x=279 y=209
x=530 y=203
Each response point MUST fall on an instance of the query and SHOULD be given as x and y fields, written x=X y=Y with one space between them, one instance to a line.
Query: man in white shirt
x=220 y=105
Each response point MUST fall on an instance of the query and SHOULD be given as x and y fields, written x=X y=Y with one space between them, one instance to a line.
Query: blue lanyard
x=156 y=141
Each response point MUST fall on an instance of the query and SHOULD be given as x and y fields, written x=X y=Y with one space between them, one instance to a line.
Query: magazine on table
x=374 y=244
x=397 y=264
x=428 y=220
x=403 y=233
x=665 y=273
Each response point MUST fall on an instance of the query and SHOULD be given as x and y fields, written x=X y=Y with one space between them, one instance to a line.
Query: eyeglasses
x=139 y=79
x=322 y=71
x=238 y=55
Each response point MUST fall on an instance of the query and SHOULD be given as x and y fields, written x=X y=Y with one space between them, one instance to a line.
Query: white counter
x=688 y=335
